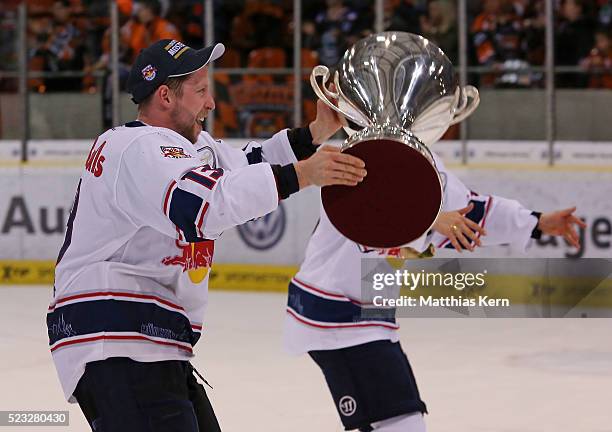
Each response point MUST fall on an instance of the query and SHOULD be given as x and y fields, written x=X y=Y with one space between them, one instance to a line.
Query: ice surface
x=475 y=375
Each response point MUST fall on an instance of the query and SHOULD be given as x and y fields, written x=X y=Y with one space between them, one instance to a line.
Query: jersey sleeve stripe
x=484 y=219
x=167 y=197
x=201 y=219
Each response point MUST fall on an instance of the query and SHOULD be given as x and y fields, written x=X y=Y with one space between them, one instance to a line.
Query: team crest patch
x=149 y=72
x=207 y=156
x=174 y=152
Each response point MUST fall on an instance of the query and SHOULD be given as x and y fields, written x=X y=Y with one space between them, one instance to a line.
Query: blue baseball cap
x=165 y=59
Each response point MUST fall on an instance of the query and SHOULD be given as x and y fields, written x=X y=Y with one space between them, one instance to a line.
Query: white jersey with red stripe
x=132 y=275
x=323 y=310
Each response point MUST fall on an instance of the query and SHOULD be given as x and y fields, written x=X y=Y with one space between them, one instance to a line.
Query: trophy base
x=396 y=203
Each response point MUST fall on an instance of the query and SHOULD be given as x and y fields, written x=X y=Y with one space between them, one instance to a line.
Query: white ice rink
x=512 y=375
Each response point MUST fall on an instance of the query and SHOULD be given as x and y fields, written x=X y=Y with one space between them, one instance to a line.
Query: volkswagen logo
x=265 y=232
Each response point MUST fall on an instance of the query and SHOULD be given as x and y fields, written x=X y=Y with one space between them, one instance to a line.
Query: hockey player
x=367 y=372
x=132 y=274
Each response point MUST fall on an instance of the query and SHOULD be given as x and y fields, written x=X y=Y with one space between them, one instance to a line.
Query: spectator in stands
x=188 y=16
x=498 y=38
x=364 y=24
x=439 y=26
x=574 y=40
x=406 y=16
x=125 y=54
x=148 y=26
x=604 y=16
x=270 y=25
x=242 y=34
x=60 y=48
x=310 y=38
x=533 y=18
x=336 y=27
x=484 y=30
x=316 y=23
x=599 y=61
x=224 y=11
x=261 y=24
x=124 y=63
x=8 y=33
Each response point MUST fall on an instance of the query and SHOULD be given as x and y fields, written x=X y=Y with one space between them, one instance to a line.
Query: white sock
x=405 y=423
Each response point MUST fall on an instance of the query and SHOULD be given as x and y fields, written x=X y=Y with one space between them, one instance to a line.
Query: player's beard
x=186 y=125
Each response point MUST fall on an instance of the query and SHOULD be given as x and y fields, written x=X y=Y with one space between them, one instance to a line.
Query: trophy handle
x=470 y=99
x=326 y=94
x=355 y=116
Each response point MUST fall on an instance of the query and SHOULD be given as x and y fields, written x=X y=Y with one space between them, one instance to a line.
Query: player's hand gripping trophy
x=396 y=93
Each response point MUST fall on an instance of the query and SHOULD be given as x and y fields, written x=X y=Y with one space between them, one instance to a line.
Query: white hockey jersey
x=324 y=302
x=132 y=275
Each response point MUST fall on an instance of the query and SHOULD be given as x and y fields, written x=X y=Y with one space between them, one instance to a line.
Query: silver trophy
x=392 y=88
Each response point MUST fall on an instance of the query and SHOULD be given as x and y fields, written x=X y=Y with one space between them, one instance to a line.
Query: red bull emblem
x=149 y=72
x=174 y=152
x=196 y=259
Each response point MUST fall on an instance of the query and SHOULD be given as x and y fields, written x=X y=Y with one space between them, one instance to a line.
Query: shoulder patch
x=207 y=156
x=174 y=152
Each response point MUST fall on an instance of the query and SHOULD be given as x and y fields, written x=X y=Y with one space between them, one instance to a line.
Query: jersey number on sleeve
x=205 y=176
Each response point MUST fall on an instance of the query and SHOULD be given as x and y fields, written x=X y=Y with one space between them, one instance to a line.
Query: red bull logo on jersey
x=196 y=259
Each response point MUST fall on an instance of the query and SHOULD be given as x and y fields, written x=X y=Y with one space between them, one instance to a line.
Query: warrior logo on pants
x=347 y=406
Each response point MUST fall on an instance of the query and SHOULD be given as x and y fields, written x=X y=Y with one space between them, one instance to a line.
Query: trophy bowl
x=394 y=92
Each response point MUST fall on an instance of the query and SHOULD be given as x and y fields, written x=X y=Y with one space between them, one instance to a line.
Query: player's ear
x=165 y=95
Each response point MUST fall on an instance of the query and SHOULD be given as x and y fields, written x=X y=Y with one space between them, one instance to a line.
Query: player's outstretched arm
x=468 y=234
x=287 y=146
x=506 y=220
x=329 y=166
x=562 y=223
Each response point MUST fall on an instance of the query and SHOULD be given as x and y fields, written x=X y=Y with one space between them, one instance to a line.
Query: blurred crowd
x=505 y=36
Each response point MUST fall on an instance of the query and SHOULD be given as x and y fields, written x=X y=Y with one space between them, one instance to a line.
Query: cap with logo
x=167 y=59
